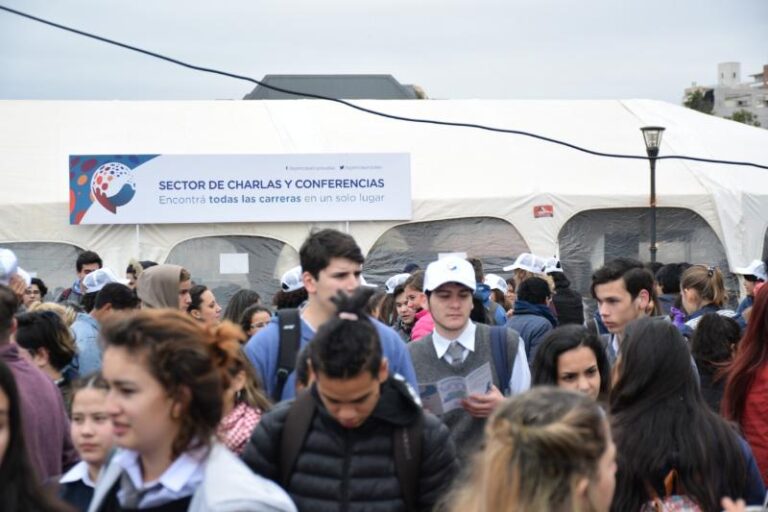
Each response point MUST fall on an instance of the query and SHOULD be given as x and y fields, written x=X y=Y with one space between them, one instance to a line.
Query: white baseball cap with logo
x=450 y=269
x=100 y=278
x=291 y=280
x=755 y=268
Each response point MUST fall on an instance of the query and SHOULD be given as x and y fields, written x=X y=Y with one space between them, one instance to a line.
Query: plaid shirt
x=236 y=427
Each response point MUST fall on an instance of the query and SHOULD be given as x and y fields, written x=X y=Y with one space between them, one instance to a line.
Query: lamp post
x=652 y=136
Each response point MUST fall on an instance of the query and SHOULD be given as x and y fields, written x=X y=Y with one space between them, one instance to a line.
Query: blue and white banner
x=159 y=189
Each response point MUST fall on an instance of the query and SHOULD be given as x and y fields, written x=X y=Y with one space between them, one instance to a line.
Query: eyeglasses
x=750 y=278
x=258 y=325
x=30 y=291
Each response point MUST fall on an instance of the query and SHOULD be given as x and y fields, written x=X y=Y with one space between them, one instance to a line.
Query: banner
x=159 y=189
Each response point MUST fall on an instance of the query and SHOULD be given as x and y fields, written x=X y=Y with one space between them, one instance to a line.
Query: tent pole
x=138 y=244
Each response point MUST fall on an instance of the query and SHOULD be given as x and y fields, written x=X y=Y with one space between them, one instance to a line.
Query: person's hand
x=481 y=406
x=18 y=286
x=729 y=505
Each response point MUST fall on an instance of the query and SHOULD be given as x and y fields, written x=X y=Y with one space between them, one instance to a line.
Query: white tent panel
x=456 y=172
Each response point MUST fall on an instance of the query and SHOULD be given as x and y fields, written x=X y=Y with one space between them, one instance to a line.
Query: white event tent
x=473 y=191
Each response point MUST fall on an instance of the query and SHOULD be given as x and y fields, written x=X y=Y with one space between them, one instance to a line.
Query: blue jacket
x=745 y=304
x=483 y=292
x=693 y=319
x=263 y=350
x=532 y=322
x=86 y=332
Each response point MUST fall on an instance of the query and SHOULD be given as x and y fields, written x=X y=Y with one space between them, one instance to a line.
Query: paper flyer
x=446 y=394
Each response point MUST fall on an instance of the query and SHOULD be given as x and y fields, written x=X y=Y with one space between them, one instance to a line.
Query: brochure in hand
x=446 y=394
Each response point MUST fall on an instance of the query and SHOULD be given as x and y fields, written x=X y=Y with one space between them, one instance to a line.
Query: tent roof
x=455 y=171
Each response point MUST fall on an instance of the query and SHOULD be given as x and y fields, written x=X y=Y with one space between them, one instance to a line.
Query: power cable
x=364 y=109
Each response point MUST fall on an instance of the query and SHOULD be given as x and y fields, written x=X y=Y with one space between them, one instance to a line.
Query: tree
x=745 y=117
x=697 y=100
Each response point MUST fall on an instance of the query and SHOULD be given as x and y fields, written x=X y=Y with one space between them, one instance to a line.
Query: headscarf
x=158 y=286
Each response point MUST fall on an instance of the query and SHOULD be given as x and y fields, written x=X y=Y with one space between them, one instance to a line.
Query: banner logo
x=113 y=185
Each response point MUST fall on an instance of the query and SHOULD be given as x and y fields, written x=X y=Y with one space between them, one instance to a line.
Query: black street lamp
x=652 y=136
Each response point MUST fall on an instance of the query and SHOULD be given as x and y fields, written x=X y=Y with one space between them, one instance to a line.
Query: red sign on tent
x=543 y=210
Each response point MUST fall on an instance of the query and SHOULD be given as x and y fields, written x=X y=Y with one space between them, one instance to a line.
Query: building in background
x=731 y=98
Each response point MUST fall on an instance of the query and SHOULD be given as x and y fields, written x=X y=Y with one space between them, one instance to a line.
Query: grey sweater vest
x=466 y=431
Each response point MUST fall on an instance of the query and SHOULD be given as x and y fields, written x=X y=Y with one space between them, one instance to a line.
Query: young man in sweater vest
x=457 y=347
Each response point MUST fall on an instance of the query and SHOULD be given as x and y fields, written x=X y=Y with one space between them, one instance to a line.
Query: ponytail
x=708 y=283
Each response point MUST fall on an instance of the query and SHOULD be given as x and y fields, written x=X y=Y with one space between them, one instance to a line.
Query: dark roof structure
x=351 y=87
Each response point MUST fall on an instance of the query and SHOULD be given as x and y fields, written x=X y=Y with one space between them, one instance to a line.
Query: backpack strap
x=407 y=443
x=297 y=424
x=500 y=356
x=289 y=323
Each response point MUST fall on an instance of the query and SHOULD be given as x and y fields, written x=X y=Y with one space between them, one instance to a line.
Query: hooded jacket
x=354 y=469
x=532 y=322
x=158 y=286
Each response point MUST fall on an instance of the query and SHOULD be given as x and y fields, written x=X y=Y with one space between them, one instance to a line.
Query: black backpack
x=289 y=325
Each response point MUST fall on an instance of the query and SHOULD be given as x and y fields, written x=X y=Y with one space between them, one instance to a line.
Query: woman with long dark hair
x=664 y=431
x=572 y=357
x=745 y=399
x=19 y=487
x=240 y=301
x=203 y=306
x=712 y=345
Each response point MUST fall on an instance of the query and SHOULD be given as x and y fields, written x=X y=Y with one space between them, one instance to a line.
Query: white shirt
x=521 y=375
x=78 y=472
x=615 y=344
x=180 y=480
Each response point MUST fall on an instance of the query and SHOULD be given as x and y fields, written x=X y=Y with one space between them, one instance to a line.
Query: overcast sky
x=546 y=49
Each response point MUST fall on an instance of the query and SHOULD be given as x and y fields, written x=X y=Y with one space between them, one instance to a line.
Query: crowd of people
x=446 y=389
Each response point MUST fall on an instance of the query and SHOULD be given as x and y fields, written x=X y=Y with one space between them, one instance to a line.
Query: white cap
x=8 y=265
x=756 y=268
x=450 y=269
x=100 y=278
x=529 y=262
x=552 y=265
x=395 y=281
x=496 y=282
x=291 y=280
